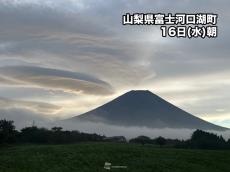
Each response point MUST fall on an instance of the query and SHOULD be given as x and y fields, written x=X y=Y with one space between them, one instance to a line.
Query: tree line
x=34 y=134
x=199 y=140
x=56 y=135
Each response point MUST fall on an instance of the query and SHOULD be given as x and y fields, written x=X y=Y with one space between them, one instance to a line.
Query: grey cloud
x=23 y=117
x=32 y=93
x=56 y=79
x=8 y=81
x=81 y=38
x=202 y=95
x=38 y=107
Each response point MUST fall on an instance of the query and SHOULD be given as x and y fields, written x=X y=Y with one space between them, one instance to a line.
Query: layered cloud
x=36 y=107
x=54 y=79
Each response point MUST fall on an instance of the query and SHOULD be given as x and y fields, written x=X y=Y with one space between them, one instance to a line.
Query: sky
x=60 y=58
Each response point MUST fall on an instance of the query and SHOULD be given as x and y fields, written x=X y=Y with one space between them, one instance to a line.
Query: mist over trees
x=56 y=135
x=34 y=134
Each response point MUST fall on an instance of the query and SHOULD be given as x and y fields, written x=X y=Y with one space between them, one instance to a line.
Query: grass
x=90 y=157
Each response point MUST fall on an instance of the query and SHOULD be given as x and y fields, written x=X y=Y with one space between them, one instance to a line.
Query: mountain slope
x=143 y=108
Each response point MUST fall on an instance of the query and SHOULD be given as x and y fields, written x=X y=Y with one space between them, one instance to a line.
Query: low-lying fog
x=129 y=132
x=103 y=129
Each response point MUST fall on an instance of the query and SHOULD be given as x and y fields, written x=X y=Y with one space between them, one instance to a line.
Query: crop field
x=91 y=157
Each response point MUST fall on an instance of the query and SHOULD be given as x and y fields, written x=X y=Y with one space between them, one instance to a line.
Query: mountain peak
x=139 y=92
x=145 y=109
x=137 y=98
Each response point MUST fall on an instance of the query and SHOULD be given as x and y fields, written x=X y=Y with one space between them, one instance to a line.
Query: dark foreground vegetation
x=91 y=157
x=34 y=135
x=34 y=149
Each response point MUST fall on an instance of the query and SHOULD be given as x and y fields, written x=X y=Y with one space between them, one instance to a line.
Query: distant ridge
x=142 y=108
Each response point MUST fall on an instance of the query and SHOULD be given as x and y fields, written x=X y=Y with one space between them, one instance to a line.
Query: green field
x=91 y=157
